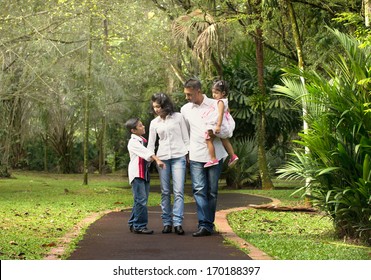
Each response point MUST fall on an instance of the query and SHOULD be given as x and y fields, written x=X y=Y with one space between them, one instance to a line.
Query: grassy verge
x=36 y=209
x=293 y=235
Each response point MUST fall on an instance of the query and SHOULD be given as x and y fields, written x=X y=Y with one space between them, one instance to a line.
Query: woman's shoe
x=179 y=230
x=167 y=229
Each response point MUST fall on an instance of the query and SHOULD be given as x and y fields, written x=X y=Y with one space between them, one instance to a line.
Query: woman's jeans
x=205 y=192
x=139 y=213
x=175 y=170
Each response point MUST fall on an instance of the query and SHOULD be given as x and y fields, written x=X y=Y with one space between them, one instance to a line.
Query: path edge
x=226 y=231
x=56 y=253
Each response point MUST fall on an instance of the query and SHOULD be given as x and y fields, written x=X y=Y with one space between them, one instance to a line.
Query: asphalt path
x=110 y=239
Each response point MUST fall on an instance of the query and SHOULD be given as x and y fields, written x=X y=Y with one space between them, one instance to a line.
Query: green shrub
x=246 y=172
x=338 y=139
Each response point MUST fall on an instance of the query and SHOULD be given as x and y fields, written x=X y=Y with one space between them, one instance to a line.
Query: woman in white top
x=173 y=144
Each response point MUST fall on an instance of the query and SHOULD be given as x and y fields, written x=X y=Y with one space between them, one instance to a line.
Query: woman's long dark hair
x=164 y=101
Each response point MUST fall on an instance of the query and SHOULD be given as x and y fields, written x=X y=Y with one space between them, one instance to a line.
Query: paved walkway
x=110 y=239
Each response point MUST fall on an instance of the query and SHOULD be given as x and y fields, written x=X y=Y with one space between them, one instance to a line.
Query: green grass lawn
x=38 y=209
x=293 y=235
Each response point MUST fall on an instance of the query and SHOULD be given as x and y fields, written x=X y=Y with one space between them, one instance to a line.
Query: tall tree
x=259 y=46
x=87 y=102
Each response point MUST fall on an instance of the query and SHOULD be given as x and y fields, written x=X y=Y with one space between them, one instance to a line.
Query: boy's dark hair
x=164 y=101
x=221 y=86
x=131 y=123
x=192 y=83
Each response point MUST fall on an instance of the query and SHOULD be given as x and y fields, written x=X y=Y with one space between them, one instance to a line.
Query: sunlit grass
x=37 y=209
x=293 y=235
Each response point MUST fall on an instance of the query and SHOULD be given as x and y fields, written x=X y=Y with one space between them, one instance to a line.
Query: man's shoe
x=179 y=230
x=143 y=231
x=167 y=229
x=131 y=228
x=201 y=232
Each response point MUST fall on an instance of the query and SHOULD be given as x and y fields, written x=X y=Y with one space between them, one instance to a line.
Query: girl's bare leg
x=210 y=146
x=228 y=146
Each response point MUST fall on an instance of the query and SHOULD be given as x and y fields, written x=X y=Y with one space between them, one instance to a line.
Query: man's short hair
x=192 y=83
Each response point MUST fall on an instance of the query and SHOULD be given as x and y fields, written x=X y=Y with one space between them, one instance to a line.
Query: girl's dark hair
x=221 y=86
x=132 y=123
x=164 y=101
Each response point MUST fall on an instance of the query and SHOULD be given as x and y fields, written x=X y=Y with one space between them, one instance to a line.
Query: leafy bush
x=246 y=171
x=338 y=139
x=4 y=173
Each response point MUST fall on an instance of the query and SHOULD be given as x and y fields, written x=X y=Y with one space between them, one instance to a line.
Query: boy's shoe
x=233 y=160
x=143 y=231
x=211 y=163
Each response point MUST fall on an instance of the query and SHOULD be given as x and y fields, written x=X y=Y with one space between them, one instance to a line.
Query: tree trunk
x=262 y=159
x=101 y=145
x=299 y=51
x=102 y=134
x=367 y=8
x=87 y=97
x=46 y=153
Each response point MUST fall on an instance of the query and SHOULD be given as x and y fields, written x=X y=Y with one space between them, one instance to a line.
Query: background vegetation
x=72 y=72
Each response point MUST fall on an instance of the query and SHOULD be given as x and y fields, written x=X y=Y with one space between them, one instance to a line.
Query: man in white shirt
x=204 y=180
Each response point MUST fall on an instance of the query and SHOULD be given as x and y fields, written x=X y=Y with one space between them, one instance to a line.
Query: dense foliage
x=73 y=71
x=337 y=165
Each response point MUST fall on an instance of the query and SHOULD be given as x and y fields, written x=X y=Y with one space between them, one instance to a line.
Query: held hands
x=161 y=164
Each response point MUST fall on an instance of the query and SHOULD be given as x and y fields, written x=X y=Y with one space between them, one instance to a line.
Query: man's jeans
x=205 y=192
x=139 y=213
x=175 y=170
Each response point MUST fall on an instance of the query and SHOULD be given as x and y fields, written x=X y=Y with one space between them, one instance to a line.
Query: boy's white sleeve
x=137 y=148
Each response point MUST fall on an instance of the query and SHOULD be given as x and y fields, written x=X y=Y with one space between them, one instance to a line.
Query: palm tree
x=199 y=32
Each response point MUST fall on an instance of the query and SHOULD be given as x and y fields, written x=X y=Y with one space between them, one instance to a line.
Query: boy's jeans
x=139 y=213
